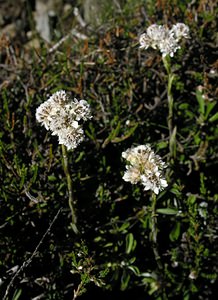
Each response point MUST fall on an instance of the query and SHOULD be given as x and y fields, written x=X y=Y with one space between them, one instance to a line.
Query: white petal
x=75 y=124
x=156 y=190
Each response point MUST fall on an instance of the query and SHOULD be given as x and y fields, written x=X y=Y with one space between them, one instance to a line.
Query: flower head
x=156 y=33
x=62 y=115
x=180 y=30
x=160 y=37
x=146 y=167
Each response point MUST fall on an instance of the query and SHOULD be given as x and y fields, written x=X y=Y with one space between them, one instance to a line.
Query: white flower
x=144 y=41
x=168 y=46
x=154 y=34
x=180 y=30
x=71 y=137
x=157 y=33
x=132 y=175
x=160 y=37
x=62 y=115
x=146 y=167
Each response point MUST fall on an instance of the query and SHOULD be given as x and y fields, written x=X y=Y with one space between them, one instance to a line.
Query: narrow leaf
x=214 y=117
x=129 y=242
x=174 y=234
x=167 y=211
x=201 y=102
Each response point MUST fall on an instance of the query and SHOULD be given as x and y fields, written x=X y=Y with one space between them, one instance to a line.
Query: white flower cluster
x=160 y=37
x=145 y=167
x=61 y=115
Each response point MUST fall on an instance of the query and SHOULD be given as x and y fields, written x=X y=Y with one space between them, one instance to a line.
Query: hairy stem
x=153 y=235
x=172 y=130
x=153 y=238
x=170 y=103
x=71 y=198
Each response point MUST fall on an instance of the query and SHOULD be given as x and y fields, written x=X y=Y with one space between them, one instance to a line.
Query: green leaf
x=51 y=178
x=210 y=106
x=126 y=136
x=91 y=132
x=80 y=156
x=129 y=242
x=201 y=101
x=124 y=227
x=174 y=234
x=173 y=142
x=162 y=145
x=124 y=280
x=176 y=190
x=214 y=117
x=17 y=294
x=191 y=199
x=112 y=135
x=135 y=270
x=184 y=106
x=108 y=245
x=97 y=239
x=167 y=211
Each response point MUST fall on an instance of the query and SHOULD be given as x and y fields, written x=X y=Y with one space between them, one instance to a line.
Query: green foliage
x=126 y=88
x=84 y=265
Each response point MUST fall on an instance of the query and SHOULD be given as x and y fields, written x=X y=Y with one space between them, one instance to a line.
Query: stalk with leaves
x=146 y=167
x=167 y=41
x=63 y=117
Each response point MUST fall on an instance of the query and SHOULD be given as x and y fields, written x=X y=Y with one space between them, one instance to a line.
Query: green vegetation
x=126 y=87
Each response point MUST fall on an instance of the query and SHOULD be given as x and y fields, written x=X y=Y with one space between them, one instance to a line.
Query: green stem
x=71 y=198
x=172 y=130
x=153 y=235
x=153 y=238
x=170 y=103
